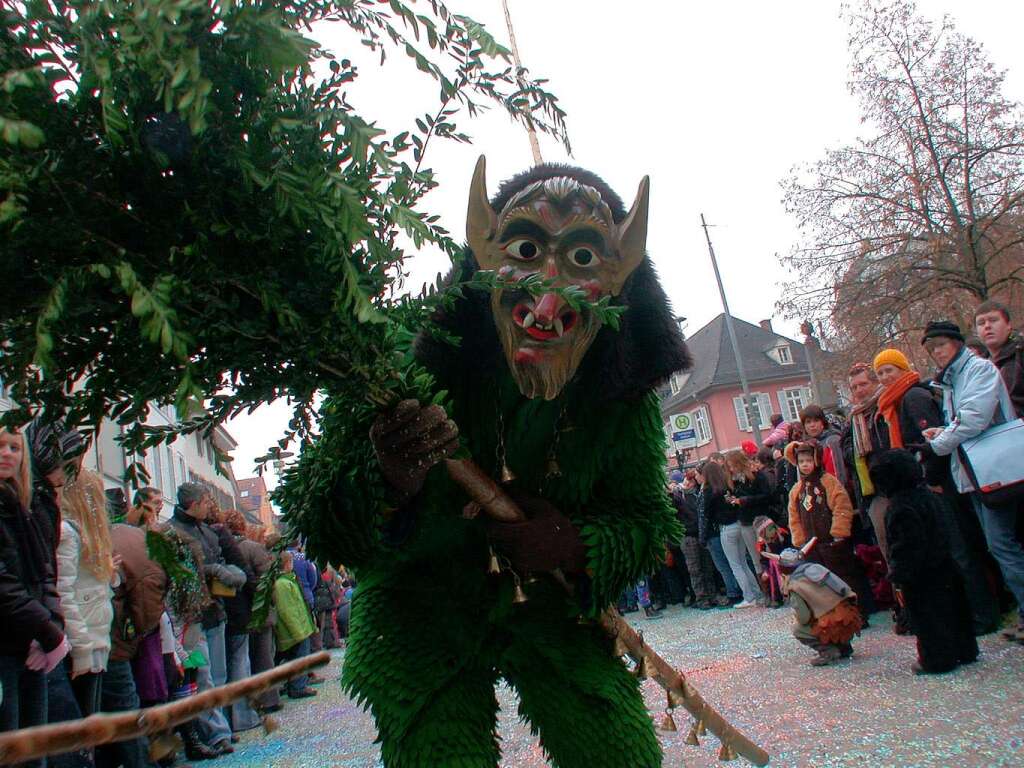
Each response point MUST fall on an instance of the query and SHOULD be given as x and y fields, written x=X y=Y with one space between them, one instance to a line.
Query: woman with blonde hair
x=33 y=641
x=86 y=575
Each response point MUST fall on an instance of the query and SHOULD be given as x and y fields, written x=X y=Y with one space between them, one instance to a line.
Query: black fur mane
x=621 y=364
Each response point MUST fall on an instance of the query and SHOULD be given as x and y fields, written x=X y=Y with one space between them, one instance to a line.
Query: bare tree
x=924 y=215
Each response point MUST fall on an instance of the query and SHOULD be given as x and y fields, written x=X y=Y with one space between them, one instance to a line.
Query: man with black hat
x=971 y=392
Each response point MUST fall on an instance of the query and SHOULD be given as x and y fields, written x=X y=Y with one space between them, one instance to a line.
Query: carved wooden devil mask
x=564 y=231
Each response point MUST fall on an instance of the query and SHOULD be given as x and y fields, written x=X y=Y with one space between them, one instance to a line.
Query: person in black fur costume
x=921 y=566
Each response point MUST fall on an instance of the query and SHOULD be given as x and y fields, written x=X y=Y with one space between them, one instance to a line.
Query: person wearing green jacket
x=294 y=625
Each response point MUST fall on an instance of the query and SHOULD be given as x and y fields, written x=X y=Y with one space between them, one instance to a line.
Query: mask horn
x=808 y=546
x=633 y=233
x=481 y=220
x=770 y=555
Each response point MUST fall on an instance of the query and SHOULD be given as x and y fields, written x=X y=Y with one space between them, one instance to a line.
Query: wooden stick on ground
x=680 y=689
x=496 y=503
x=40 y=741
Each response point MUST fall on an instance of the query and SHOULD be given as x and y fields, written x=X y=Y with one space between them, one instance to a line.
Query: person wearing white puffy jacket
x=86 y=575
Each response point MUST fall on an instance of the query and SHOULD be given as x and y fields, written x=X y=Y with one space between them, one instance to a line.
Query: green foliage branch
x=192 y=212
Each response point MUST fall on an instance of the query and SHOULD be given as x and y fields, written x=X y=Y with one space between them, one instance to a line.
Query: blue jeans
x=241 y=715
x=643 y=593
x=736 y=553
x=213 y=725
x=732 y=587
x=999 y=528
x=62 y=706
x=118 y=695
x=24 y=699
x=297 y=651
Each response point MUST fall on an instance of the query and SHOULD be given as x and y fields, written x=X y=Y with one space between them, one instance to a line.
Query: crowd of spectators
x=109 y=608
x=819 y=478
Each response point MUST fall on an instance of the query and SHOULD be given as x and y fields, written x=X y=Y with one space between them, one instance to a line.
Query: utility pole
x=810 y=347
x=530 y=130
x=753 y=411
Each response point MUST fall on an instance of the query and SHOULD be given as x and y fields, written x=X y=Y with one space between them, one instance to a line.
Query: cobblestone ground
x=868 y=711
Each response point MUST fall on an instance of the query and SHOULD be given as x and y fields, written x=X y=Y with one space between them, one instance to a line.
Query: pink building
x=710 y=394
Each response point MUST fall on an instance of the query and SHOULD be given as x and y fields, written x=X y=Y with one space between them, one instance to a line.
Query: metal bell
x=702 y=727
x=507 y=475
x=518 y=596
x=667 y=723
x=270 y=724
x=494 y=566
x=553 y=470
x=674 y=698
x=691 y=737
x=727 y=753
x=620 y=648
x=164 y=744
x=643 y=669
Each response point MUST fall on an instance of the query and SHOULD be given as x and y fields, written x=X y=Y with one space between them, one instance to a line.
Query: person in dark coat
x=697 y=558
x=921 y=566
x=33 y=643
x=905 y=409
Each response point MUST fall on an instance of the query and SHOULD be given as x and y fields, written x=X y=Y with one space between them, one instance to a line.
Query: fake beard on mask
x=542 y=359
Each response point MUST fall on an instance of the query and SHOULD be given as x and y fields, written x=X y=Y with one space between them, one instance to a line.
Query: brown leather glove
x=546 y=541
x=409 y=441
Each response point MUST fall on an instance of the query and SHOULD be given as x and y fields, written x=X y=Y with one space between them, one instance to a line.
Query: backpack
x=322 y=600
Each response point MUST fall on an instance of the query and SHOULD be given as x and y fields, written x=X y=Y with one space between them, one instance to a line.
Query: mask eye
x=583 y=256
x=524 y=250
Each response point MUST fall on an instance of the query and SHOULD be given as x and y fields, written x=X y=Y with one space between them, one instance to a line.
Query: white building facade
x=190 y=458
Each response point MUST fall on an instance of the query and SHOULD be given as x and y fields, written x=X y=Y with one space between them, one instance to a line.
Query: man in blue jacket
x=971 y=392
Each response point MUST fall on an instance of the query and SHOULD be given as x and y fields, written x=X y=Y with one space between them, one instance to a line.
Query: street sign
x=681 y=421
x=685 y=438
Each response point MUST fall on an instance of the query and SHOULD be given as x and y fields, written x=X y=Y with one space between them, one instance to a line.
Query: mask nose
x=547 y=308
x=549 y=305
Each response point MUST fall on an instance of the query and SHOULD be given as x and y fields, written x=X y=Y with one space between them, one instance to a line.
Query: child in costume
x=921 y=566
x=824 y=606
x=820 y=508
x=775 y=539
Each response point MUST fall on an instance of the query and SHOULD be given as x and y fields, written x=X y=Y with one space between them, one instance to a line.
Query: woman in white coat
x=86 y=575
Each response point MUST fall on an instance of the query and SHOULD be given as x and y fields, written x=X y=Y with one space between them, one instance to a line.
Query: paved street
x=870 y=711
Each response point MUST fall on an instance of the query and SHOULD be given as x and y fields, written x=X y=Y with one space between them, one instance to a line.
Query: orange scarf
x=889 y=405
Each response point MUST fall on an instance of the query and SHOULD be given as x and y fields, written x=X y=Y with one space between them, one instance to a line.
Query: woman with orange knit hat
x=905 y=409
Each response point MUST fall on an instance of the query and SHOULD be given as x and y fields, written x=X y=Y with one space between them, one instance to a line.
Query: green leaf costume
x=431 y=630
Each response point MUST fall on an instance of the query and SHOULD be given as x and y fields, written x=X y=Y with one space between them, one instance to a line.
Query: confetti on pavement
x=868 y=711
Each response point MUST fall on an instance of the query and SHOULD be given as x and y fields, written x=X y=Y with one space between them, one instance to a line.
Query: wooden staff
x=497 y=504
x=40 y=741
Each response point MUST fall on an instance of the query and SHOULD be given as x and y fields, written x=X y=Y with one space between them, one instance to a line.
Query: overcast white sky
x=715 y=101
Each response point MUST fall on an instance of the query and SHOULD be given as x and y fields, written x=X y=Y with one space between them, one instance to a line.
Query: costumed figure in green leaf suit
x=562 y=410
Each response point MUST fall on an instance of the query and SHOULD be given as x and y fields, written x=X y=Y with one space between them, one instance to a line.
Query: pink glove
x=40 y=661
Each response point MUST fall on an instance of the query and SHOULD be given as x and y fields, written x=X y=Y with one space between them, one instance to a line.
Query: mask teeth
x=529 y=320
x=557 y=322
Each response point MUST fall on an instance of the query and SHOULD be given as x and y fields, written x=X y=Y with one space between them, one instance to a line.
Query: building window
x=701 y=425
x=678 y=381
x=199 y=444
x=158 y=474
x=244 y=494
x=764 y=407
x=794 y=400
x=785 y=358
x=171 y=480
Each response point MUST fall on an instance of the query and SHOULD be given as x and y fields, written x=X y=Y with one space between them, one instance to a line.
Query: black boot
x=195 y=749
